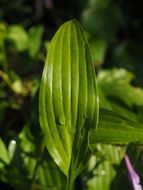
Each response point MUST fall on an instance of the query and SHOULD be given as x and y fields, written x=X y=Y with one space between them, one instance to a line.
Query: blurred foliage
x=114 y=30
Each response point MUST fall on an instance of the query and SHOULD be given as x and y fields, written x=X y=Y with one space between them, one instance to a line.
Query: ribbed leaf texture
x=115 y=129
x=68 y=98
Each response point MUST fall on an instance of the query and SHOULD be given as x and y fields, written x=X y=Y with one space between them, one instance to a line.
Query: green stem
x=6 y=78
x=70 y=179
x=70 y=183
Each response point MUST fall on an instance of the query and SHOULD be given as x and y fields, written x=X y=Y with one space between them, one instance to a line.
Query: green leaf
x=121 y=96
x=103 y=103
x=98 y=48
x=103 y=176
x=98 y=15
x=123 y=110
x=116 y=106
x=115 y=129
x=4 y=156
x=115 y=84
x=18 y=36
x=102 y=167
x=48 y=175
x=28 y=148
x=68 y=98
x=35 y=38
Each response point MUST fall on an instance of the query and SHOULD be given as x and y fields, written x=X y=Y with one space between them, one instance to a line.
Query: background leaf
x=18 y=36
x=116 y=85
x=103 y=167
x=119 y=95
x=35 y=36
x=4 y=156
x=115 y=129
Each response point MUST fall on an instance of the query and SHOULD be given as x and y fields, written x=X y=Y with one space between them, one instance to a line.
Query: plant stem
x=70 y=183
x=70 y=178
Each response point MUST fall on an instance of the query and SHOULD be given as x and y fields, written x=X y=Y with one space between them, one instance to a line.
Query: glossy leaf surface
x=115 y=129
x=68 y=98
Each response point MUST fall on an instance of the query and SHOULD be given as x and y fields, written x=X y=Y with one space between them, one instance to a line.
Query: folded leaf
x=68 y=98
x=115 y=129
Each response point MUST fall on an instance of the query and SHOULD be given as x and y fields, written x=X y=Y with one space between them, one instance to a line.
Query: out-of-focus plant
x=23 y=165
x=19 y=83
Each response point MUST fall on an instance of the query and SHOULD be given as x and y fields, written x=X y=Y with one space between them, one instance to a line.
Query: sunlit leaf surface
x=68 y=98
